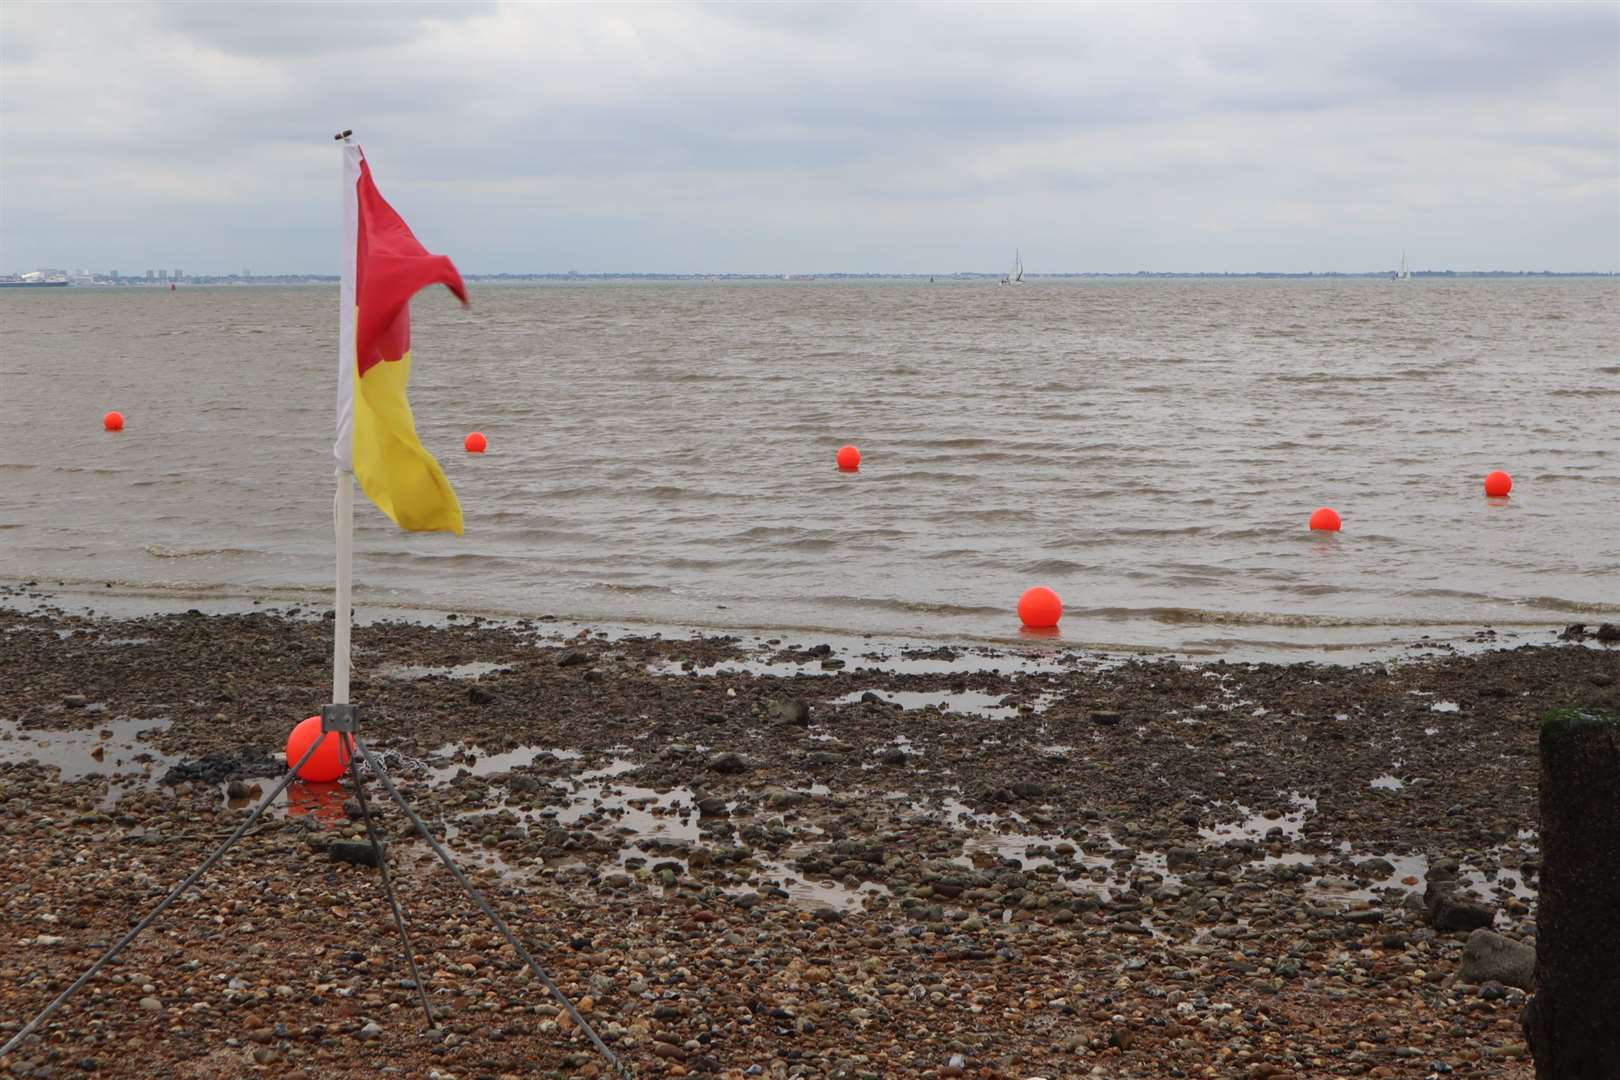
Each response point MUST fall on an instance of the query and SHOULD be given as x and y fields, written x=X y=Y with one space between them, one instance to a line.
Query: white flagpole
x=343 y=450
x=345 y=566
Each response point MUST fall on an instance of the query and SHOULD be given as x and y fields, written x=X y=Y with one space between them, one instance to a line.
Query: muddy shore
x=771 y=858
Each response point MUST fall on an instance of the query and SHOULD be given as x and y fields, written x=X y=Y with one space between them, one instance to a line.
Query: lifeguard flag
x=384 y=266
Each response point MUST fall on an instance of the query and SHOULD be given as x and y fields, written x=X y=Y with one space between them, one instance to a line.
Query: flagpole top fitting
x=340 y=718
x=343 y=136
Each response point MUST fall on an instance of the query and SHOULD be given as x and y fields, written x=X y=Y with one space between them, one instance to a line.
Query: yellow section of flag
x=394 y=469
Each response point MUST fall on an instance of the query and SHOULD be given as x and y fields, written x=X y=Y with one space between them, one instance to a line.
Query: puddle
x=489 y=764
x=896 y=662
x=1259 y=826
x=409 y=672
x=965 y=701
x=1444 y=706
x=1387 y=782
x=109 y=748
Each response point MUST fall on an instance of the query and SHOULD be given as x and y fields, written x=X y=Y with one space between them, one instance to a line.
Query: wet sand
x=769 y=858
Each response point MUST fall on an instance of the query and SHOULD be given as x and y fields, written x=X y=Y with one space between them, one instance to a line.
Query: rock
x=1375 y=868
x=1490 y=957
x=1448 y=912
x=713 y=806
x=1608 y=632
x=358 y=852
x=893 y=756
x=572 y=659
x=75 y=701
x=1107 y=719
x=728 y=763
x=477 y=695
x=1181 y=857
x=151 y=1004
x=237 y=790
x=795 y=711
x=371 y=1030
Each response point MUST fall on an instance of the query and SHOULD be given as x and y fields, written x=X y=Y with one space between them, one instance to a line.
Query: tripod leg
x=500 y=924
x=388 y=887
x=219 y=852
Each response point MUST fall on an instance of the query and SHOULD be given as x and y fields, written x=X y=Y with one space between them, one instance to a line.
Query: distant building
x=163 y=275
x=178 y=275
x=150 y=274
x=113 y=274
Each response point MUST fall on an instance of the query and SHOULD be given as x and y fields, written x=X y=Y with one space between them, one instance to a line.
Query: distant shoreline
x=974 y=276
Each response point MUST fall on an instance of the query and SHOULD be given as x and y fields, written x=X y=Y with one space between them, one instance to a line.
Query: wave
x=159 y=551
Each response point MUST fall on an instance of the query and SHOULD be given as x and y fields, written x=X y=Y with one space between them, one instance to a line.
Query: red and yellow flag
x=385 y=265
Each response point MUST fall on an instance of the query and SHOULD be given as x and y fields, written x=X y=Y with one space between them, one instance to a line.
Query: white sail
x=1017 y=274
x=1405 y=273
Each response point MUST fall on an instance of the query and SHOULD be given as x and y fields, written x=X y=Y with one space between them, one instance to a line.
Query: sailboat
x=1016 y=276
x=1403 y=274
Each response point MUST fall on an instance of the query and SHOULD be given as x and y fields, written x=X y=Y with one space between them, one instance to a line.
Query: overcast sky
x=802 y=138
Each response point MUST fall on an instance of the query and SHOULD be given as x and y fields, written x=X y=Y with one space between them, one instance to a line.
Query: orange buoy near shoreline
x=1040 y=608
x=1498 y=484
x=476 y=443
x=849 y=459
x=113 y=421
x=1326 y=519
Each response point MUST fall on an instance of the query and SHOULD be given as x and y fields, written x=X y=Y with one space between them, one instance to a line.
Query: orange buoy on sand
x=327 y=763
x=1498 y=484
x=1039 y=608
x=476 y=443
x=849 y=458
x=113 y=421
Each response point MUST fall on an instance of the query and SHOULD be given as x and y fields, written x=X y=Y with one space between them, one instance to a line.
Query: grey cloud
x=813 y=137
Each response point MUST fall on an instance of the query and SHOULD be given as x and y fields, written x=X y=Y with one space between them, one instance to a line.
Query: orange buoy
x=1498 y=484
x=327 y=763
x=113 y=421
x=849 y=458
x=1325 y=520
x=476 y=443
x=1040 y=608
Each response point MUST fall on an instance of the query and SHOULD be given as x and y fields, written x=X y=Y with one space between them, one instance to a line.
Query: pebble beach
x=757 y=856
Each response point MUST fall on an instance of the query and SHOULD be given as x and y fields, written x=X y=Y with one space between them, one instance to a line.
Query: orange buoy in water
x=1325 y=520
x=1040 y=608
x=1498 y=484
x=476 y=443
x=327 y=763
x=113 y=421
x=849 y=458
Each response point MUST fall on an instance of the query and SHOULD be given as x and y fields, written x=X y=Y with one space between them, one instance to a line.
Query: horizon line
x=808 y=275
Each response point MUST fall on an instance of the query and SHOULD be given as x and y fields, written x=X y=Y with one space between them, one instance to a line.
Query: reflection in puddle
x=1387 y=782
x=323 y=802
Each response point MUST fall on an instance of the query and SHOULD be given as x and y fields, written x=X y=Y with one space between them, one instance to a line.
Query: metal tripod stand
x=343 y=722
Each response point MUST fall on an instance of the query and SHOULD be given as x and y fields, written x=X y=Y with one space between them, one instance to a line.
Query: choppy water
x=664 y=452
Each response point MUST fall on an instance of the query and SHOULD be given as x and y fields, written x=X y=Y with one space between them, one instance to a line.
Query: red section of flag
x=391 y=266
